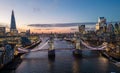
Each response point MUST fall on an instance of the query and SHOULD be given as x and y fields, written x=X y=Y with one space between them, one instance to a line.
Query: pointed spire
x=13 y=23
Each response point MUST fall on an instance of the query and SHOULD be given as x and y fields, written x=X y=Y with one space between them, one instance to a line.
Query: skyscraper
x=82 y=28
x=110 y=28
x=101 y=25
x=13 y=23
x=13 y=29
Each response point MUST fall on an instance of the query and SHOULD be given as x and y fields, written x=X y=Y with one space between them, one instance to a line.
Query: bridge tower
x=51 y=50
x=77 y=51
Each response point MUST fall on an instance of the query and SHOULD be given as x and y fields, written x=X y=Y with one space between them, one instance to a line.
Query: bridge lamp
x=107 y=49
x=117 y=49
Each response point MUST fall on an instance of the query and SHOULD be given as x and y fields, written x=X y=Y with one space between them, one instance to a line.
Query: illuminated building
x=82 y=28
x=101 y=20
x=101 y=25
x=97 y=26
x=2 y=31
x=22 y=34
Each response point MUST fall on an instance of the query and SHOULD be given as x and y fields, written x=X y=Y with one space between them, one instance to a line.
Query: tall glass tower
x=13 y=29
x=13 y=23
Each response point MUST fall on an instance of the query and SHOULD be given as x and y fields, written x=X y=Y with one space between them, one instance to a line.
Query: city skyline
x=57 y=11
x=59 y=36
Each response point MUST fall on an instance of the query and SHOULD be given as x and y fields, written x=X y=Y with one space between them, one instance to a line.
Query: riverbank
x=115 y=60
x=33 y=45
x=17 y=60
x=114 y=56
x=110 y=56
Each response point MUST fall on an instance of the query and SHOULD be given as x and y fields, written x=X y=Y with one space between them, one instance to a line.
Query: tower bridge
x=50 y=46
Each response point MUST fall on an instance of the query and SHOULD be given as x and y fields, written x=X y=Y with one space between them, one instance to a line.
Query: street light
x=117 y=49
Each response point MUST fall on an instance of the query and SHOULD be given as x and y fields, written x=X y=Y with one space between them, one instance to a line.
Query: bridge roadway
x=64 y=62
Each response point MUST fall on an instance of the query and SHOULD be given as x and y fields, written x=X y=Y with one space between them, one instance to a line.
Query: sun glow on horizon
x=56 y=11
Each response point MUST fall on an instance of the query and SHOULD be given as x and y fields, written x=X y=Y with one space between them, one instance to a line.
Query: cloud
x=43 y=29
x=73 y=29
x=60 y=24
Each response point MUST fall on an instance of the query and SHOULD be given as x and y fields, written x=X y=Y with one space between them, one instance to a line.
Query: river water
x=65 y=62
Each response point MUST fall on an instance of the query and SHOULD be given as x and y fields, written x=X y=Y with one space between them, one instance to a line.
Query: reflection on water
x=64 y=62
x=51 y=65
x=76 y=65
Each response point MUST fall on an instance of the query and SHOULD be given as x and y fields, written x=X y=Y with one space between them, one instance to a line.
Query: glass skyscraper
x=13 y=28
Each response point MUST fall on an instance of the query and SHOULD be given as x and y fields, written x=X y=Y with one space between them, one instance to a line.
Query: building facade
x=82 y=28
x=101 y=25
x=2 y=31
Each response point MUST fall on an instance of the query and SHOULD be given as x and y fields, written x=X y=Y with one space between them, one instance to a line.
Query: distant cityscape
x=107 y=34
x=59 y=36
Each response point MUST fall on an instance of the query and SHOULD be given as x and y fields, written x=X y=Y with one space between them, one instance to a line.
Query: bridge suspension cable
x=94 y=48
x=22 y=50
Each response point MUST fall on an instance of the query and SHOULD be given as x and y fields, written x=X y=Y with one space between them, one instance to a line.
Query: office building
x=13 y=29
x=82 y=28
x=2 y=31
x=110 y=28
x=101 y=25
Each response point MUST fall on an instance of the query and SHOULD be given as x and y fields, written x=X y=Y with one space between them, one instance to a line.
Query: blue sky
x=58 y=11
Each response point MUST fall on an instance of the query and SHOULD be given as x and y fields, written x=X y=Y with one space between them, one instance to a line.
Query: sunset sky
x=57 y=11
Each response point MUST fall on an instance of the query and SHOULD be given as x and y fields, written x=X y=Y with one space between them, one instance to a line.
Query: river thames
x=64 y=62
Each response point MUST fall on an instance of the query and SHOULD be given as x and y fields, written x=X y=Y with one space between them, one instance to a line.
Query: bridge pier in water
x=77 y=52
x=51 y=50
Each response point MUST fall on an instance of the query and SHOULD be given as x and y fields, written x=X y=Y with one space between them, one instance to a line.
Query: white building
x=101 y=23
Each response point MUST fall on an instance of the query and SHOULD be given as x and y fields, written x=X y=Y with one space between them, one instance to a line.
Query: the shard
x=13 y=23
